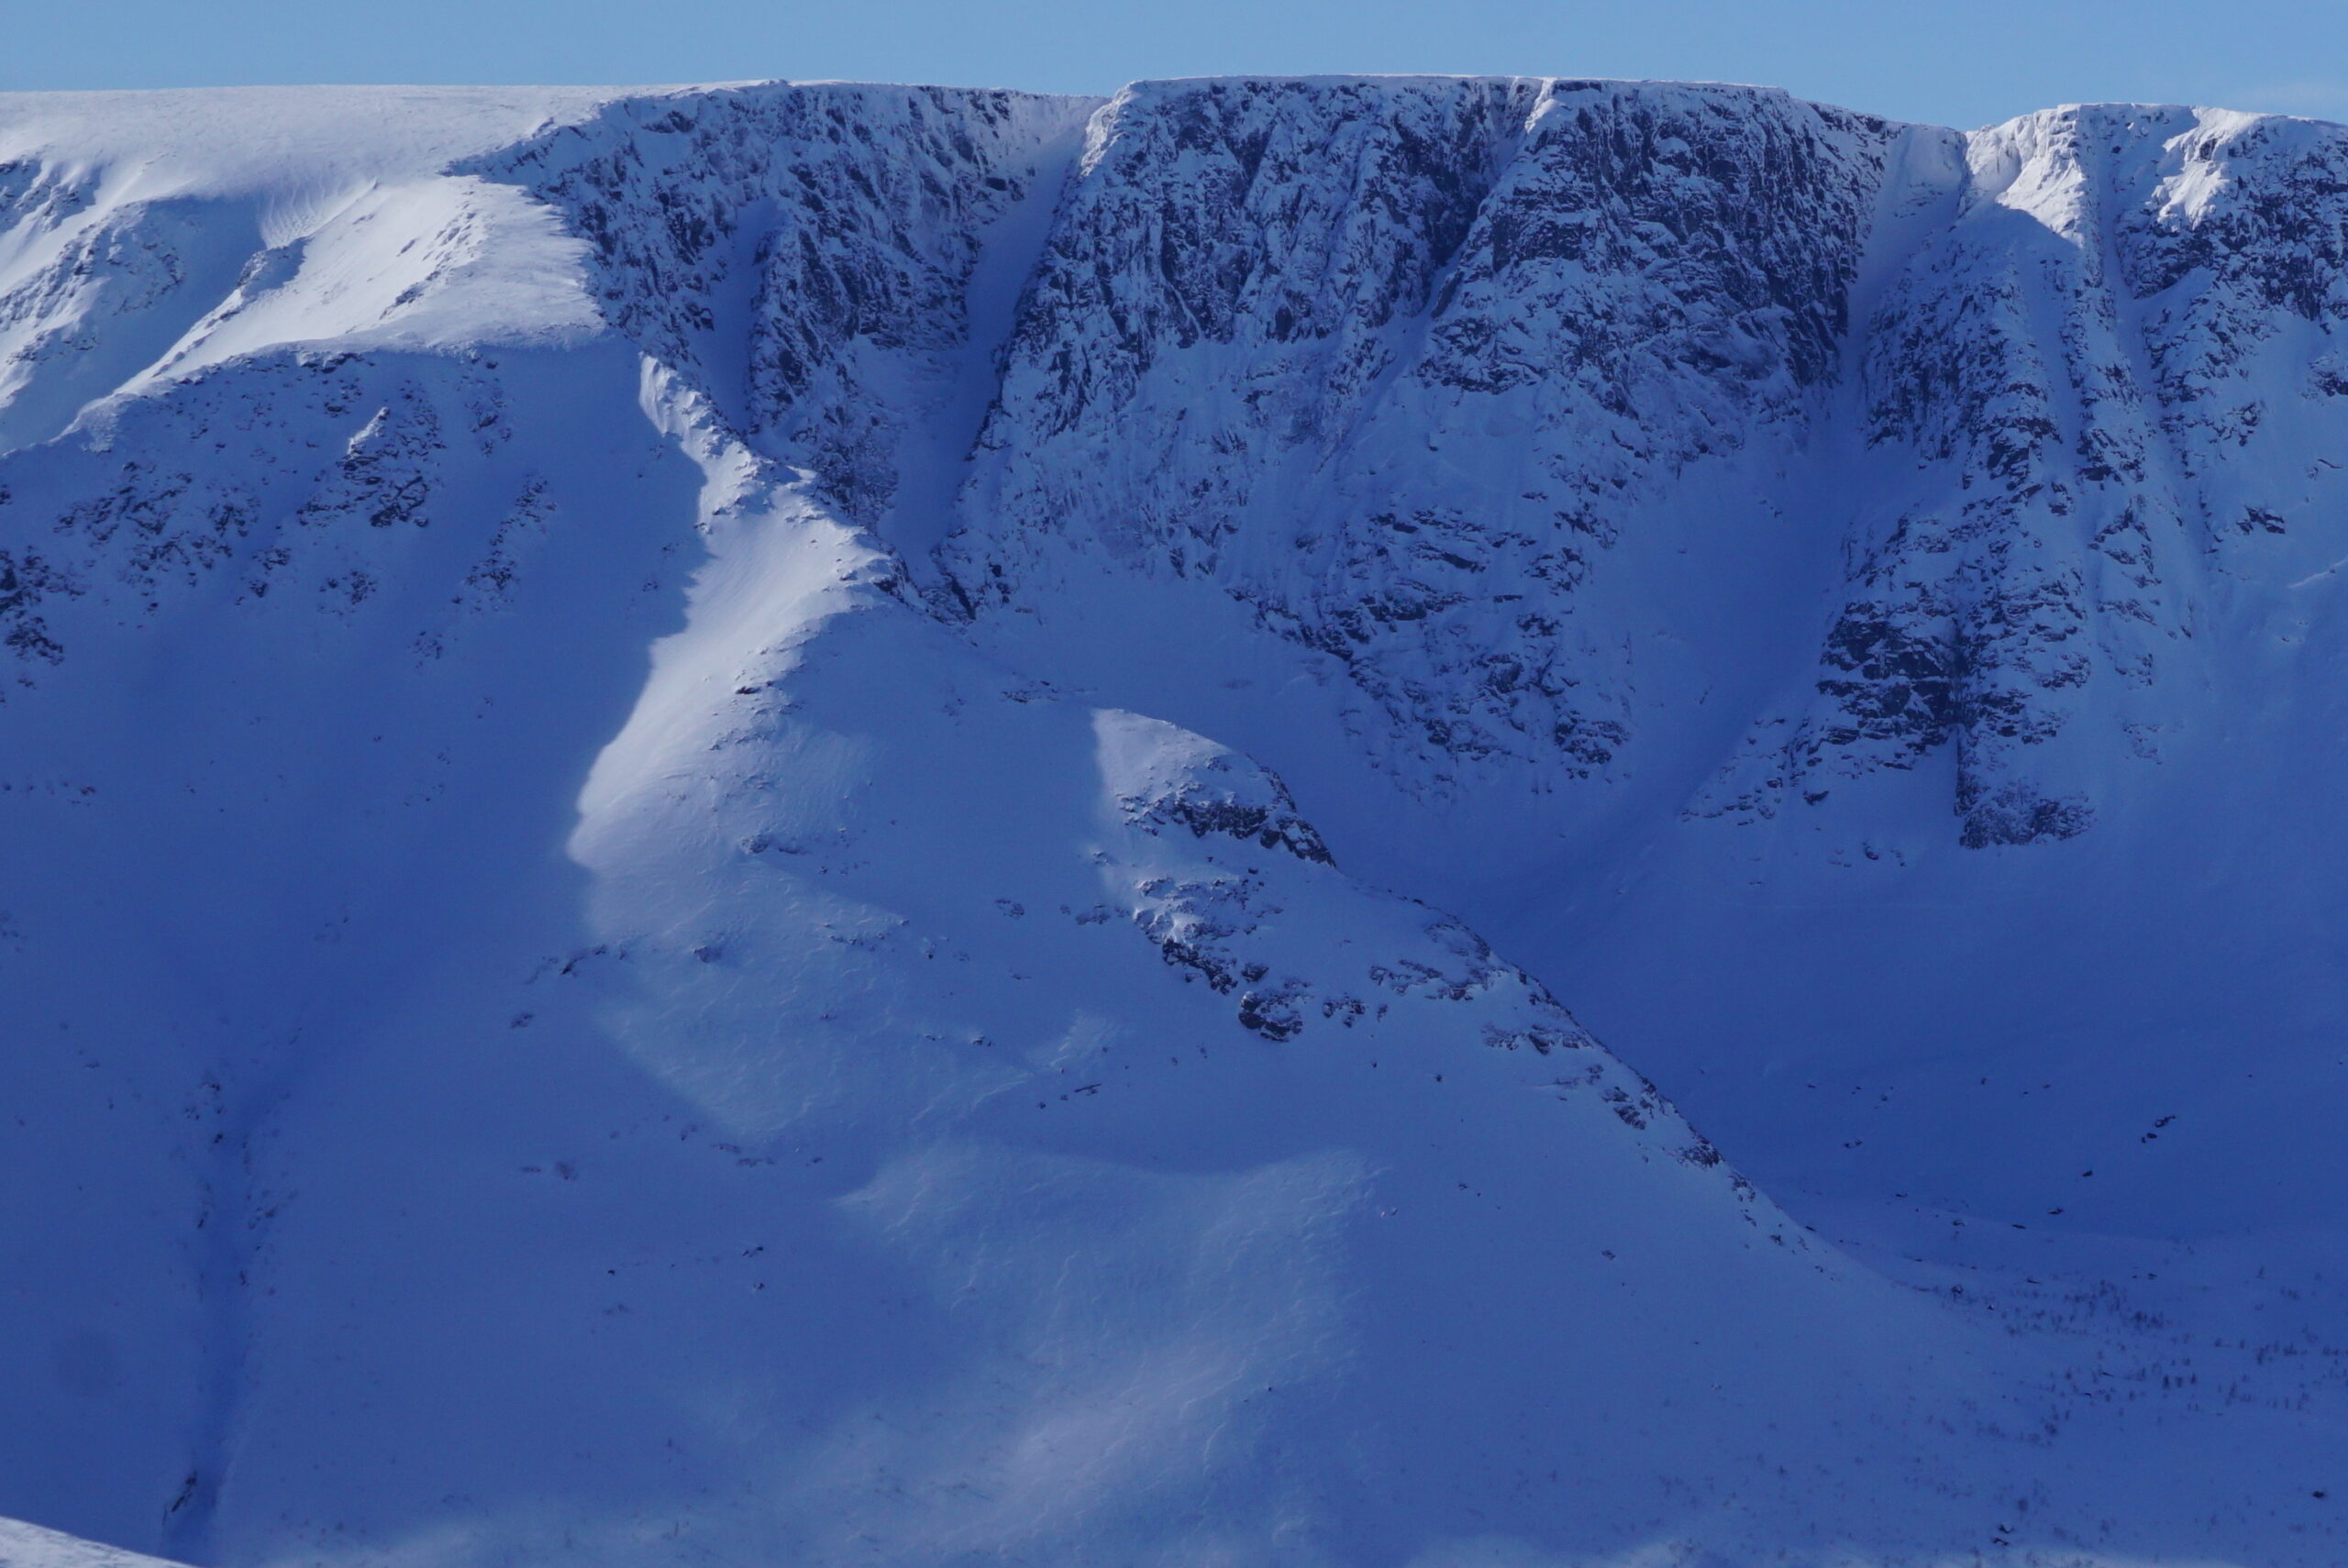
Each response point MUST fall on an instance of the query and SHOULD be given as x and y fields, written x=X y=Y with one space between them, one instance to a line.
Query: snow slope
x=833 y=823
x=30 y=1546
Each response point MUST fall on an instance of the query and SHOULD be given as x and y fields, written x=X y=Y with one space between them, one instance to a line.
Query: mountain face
x=852 y=824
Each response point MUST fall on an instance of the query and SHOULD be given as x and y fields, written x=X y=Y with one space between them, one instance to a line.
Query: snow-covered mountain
x=831 y=824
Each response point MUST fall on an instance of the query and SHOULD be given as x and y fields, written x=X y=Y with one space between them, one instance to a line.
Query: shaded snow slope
x=844 y=825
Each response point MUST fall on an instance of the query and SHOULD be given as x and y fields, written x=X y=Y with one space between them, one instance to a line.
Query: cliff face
x=1400 y=369
x=1396 y=367
x=2100 y=384
x=752 y=823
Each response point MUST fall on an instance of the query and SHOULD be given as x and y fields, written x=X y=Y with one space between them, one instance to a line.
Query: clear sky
x=1965 y=63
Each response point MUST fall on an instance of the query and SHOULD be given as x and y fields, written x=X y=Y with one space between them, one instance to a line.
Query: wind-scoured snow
x=829 y=824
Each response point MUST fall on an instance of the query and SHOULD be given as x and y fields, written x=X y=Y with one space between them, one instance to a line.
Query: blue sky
x=1952 y=64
